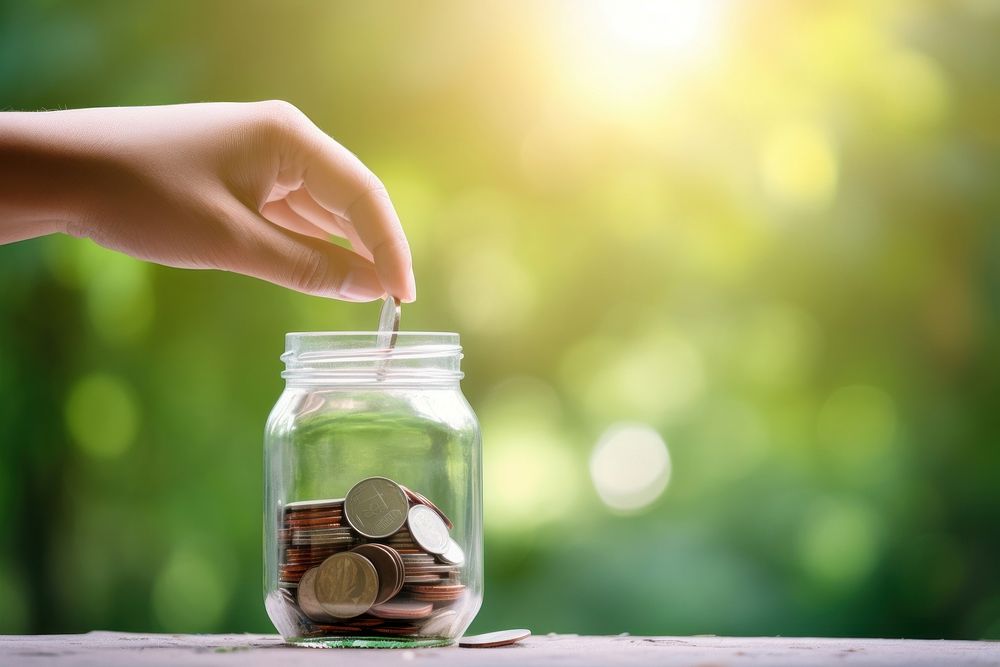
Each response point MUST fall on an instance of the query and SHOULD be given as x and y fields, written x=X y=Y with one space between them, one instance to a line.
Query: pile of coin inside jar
x=378 y=562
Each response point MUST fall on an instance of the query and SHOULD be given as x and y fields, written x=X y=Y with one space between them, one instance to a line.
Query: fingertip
x=396 y=276
x=408 y=290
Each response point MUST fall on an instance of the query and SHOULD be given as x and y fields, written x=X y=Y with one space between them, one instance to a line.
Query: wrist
x=43 y=176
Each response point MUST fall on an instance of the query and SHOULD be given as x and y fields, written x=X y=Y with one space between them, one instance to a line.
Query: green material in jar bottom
x=370 y=642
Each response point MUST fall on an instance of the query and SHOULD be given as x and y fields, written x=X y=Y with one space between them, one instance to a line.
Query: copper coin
x=365 y=621
x=404 y=631
x=334 y=630
x=404 y=609
x=494 y=639
x=332 y=522
x=390 y=574
x=439 y=597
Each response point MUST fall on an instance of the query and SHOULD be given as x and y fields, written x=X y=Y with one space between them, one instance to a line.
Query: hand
x=253 y=188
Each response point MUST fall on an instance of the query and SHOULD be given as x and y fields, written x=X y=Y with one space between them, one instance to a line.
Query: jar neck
x=366 y=358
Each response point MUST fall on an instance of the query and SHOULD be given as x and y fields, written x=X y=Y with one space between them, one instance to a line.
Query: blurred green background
x=727 y=276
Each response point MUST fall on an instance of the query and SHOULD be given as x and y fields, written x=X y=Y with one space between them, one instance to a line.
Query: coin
x=400 y=630
x=363 y=565
x=435 y=592
x=453 y=554
x=493 y=639
x=428 y=529
x=307 y=599
x=389 y=569
x=404 y=609
x=346 y=585
x=417 y=497
x=321 y=522
x=388 y=323
x=376 y=507
x=299 y=505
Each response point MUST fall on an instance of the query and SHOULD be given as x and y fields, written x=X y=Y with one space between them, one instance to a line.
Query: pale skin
x=252 y=188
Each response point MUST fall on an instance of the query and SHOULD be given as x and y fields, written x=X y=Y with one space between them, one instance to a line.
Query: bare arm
x=252 y=188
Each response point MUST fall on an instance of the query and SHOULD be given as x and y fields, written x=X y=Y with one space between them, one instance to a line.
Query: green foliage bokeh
x=773 y=240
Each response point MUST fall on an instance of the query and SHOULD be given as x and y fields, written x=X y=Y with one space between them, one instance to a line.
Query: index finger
x=343 y=185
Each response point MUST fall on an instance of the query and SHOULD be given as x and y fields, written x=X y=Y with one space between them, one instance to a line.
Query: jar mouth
x=362 y=357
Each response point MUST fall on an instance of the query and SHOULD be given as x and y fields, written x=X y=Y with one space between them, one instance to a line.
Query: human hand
x=252 y=188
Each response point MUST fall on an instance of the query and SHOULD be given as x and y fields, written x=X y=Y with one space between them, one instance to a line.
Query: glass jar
x=373 y=493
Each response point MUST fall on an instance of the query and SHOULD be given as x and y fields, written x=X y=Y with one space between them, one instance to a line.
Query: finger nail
x=411 y=288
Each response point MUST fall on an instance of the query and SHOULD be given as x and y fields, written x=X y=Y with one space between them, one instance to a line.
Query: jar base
x=370 y=642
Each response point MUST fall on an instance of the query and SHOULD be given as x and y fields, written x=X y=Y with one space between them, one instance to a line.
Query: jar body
x=323 y=438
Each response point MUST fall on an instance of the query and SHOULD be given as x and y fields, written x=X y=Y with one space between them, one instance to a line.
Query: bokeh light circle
x=630 y=466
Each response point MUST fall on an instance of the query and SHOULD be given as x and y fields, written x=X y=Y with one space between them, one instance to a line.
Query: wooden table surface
x=110 y=649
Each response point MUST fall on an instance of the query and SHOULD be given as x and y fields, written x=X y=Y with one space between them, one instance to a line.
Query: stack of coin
x=311 y=532
x=379 y=562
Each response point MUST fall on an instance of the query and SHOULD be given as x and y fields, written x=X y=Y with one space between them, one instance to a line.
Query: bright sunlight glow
x=619 y=57
x=658 y=27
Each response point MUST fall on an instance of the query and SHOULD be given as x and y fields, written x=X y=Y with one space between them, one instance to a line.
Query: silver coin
x=314 y=504
x=427 y=528
x=453 y=554
x=376 y=507
x=388 y=322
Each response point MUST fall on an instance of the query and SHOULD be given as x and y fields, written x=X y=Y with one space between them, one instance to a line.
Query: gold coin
x=376 y=507
x=346 y=585
x=307 y=598
x=388 y=565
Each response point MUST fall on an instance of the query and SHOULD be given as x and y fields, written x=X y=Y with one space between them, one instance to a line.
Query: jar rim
x=361 y=356
x=345 y=334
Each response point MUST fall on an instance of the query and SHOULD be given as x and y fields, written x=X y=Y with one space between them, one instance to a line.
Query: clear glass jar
x=373 y=493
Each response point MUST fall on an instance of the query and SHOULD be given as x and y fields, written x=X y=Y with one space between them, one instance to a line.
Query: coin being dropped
x=427 y=529
x=494 y=639
x=388 y=322
x=376 y=507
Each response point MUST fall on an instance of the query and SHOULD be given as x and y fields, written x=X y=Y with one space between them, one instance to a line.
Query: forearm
x=43 y=170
